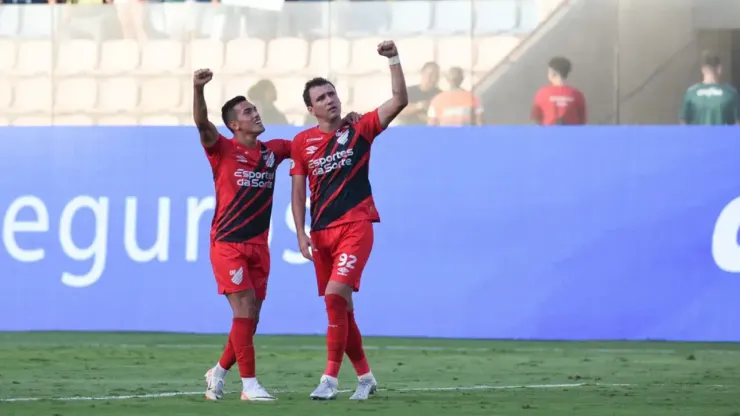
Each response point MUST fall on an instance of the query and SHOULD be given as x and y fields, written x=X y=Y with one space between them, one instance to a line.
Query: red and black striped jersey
x=338 y=165
x=245 y=181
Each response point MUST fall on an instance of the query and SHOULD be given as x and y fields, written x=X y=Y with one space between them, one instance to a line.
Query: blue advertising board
x=495 y=232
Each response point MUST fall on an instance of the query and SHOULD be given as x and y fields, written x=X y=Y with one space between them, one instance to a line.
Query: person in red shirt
x=336 y=160
x=559 y=103
x=244 y=177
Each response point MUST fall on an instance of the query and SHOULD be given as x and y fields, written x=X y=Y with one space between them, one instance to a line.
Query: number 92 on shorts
x=341 y=252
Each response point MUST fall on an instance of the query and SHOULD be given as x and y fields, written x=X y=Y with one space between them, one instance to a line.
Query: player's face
x=325 y=103
x=246 y=119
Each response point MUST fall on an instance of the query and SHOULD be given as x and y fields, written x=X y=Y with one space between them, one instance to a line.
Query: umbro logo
x=311 y=150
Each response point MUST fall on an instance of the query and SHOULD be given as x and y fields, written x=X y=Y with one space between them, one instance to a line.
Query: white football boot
x=328 y=389
x=366 y=386
x=254 y=392
x=214 y=386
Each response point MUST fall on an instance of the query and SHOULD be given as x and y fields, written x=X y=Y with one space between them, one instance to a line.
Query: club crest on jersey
x=311 y=150
x=269 y=158
x=343 y=137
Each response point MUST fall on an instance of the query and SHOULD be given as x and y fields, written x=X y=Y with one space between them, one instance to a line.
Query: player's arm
x=208 y=132
x=390 y=109
x=298 y=173
x=686 y=114
x=537 y=114
x=432 y=113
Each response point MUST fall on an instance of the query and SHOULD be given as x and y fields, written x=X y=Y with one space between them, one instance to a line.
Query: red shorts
x=340 y=253
x=240 y=266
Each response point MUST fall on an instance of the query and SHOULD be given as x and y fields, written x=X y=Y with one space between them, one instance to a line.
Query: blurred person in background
x=559 y=103
x=131 y=17
x=264 y=94
x=88 y=19
x=710 y=102
x=456 y=106
x=421 y=95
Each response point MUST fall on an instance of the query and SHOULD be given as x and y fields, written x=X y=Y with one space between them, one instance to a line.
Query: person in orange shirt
x=455 y=107
x=558 y=103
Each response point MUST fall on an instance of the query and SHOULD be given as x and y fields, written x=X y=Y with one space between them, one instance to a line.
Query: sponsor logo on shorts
x=248 y=178
x=336 y=160
x=237 y=276
x=342 y=271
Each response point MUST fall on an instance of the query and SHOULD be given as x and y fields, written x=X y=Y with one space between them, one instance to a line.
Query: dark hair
x=227 y=111
x=455 y=76
x=711 y=59
x=561 y=65
x=430 y=65
x=257 y=91
x=315 y=82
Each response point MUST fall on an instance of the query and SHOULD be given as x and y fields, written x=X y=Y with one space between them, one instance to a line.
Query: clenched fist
x=202 y=77
x=387 y=48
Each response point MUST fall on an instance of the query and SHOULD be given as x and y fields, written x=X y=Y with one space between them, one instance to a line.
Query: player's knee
x=338 y=288
x=244 y=304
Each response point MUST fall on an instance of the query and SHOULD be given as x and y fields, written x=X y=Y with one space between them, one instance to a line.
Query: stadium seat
x=452 y=17
x=364 y=58
x=285 y=55
x=33 y=95
x=370 y=92
x=118 y=120
x=495 y=16
x=159 y=120
x=74 y=95
x=289 y=93
x=235 y=86
x=72 y=120
x=8 y=54
x=410 y=17
x=36 y=120
x=10 y=18
x=39 y=21
x=76 y=56
x=456 y=51
x=161 y=56
x=492 y=49
x=6 y=94
x=160 y=95
x=244 y=56
x=416 y=52
x=119 y=57
x=329 y=56
x=34 y=58
x=214 y=92
x=117 y=95
x=206 y=53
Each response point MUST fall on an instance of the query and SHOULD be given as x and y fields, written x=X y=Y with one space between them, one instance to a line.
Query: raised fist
x=202 y=77
x=387 y=48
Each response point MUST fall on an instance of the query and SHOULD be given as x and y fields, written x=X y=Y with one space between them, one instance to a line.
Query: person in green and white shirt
x=711 y=102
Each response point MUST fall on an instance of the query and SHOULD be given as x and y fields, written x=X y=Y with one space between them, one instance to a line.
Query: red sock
x=229 y=357
x=242 y=336
x=336 y=334
x=354 y=349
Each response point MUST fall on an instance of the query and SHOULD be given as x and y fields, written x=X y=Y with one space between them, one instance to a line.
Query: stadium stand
x=48 y=77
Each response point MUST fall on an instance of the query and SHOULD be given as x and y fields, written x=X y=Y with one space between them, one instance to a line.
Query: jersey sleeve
x=282 y=148
x=297 y=163
x=369 y=125
x=214 y=152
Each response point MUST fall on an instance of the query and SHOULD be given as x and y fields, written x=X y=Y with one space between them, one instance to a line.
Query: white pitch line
x=430 y=348
x=402 y=390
